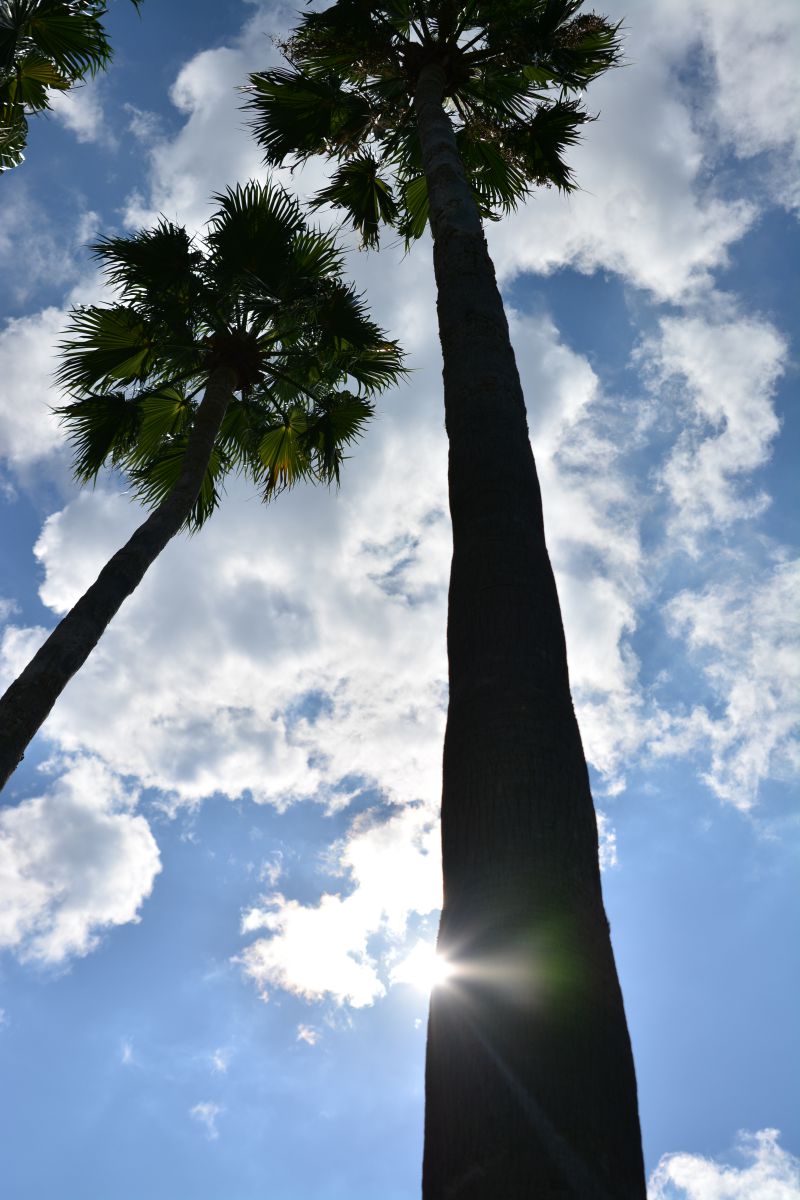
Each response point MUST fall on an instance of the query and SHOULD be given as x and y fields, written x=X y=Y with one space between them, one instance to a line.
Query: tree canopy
x=46 y=46
x=515 y=73
x=263 y=294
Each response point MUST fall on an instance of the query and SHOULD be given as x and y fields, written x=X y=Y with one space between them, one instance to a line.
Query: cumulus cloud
x=220 y=1060
x=647 y=208
x=308 y=1034
x=28 y=429
x=758 y=110
x=746 y=637
x=769 y=1173
x=182 y=174
x=722 y=376
x=323 y=950
x=206 y=1114
x=81 y=110
x=74 y=862
x=7 y=609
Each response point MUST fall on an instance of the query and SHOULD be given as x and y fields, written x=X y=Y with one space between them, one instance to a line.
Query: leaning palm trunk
x=28 y=701
x=530 y=1086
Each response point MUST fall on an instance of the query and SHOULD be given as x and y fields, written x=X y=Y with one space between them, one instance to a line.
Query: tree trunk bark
x=28 y=700
x=530 y=1085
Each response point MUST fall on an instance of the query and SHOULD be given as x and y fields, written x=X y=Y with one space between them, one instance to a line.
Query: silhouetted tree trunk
x=26 y=704
x=530 y=1085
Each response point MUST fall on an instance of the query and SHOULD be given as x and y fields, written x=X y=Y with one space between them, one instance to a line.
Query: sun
x=422 y=968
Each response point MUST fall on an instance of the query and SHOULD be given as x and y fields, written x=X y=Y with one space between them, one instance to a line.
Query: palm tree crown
x=45 y=46
x=514 y=73
x=263 y=295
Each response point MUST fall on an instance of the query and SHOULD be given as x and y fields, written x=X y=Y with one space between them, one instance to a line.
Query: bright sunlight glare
x=423 y=968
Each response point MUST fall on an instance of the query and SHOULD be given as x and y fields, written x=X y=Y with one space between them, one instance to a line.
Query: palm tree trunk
x=30 y=697
x=530 y=1085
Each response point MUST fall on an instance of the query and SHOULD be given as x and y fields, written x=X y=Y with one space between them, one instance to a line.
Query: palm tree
x=448 y=113
x=259 y=322
x=45 y=46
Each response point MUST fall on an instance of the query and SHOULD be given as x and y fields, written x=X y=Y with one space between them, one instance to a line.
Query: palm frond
x=72 y=36
x=101 y=429
x=348 y=95
x=154 y=479
x=262 y=295
x=251 y=236
x=367 y=198
x=541 y=143
x=110 y=346
x=283 y=453
x=299 y=115
x=147 y=263
x=13 y=136
x=339 y=420
x=45 y=46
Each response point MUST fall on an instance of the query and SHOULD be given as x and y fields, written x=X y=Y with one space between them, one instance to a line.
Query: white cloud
x=323 y=950
x=769 y=1173
x=725 y=373
x=221 y=1060
x=308 y=1034
x=81 y=110
x=29 y=431
x=757 y=109
x=207 y=1113
x=7 y=609
x=183 y=176
x=73 y=863
x=319 y=668
x=646 y=207
x=126 y=1055
x=607 y=840
x=38 y=251
x=746 y=637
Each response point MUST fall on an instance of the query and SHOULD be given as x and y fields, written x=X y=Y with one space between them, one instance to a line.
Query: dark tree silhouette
x=448 y=112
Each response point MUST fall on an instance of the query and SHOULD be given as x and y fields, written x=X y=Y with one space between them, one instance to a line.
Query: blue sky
x=219 y=860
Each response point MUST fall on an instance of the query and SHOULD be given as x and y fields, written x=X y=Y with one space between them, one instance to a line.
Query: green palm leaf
x=340 y=419
x=45 y=46
x=349 y=94
x=302 y=115
x=111 y=346
x=13 y=136
x=154 y=478
x=261 y=295
x=283 y=453
x=367 y=198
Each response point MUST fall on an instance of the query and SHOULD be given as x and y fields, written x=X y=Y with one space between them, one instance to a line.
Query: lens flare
x=422 y=968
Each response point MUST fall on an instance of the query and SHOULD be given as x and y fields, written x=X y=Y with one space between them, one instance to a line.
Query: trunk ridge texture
x=530 y=1085
x=29 y=699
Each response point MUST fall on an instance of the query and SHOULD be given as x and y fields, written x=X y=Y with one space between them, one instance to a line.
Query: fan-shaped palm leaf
x=45 y=46
x=349 y=94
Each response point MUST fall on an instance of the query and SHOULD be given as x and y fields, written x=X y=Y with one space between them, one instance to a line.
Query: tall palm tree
x=45 y=46
x=448 y=113
x=247 y=354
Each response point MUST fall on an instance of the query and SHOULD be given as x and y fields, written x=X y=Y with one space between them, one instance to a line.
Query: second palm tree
x=248 y=354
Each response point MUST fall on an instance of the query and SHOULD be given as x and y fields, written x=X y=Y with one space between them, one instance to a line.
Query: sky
x=219 y=861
